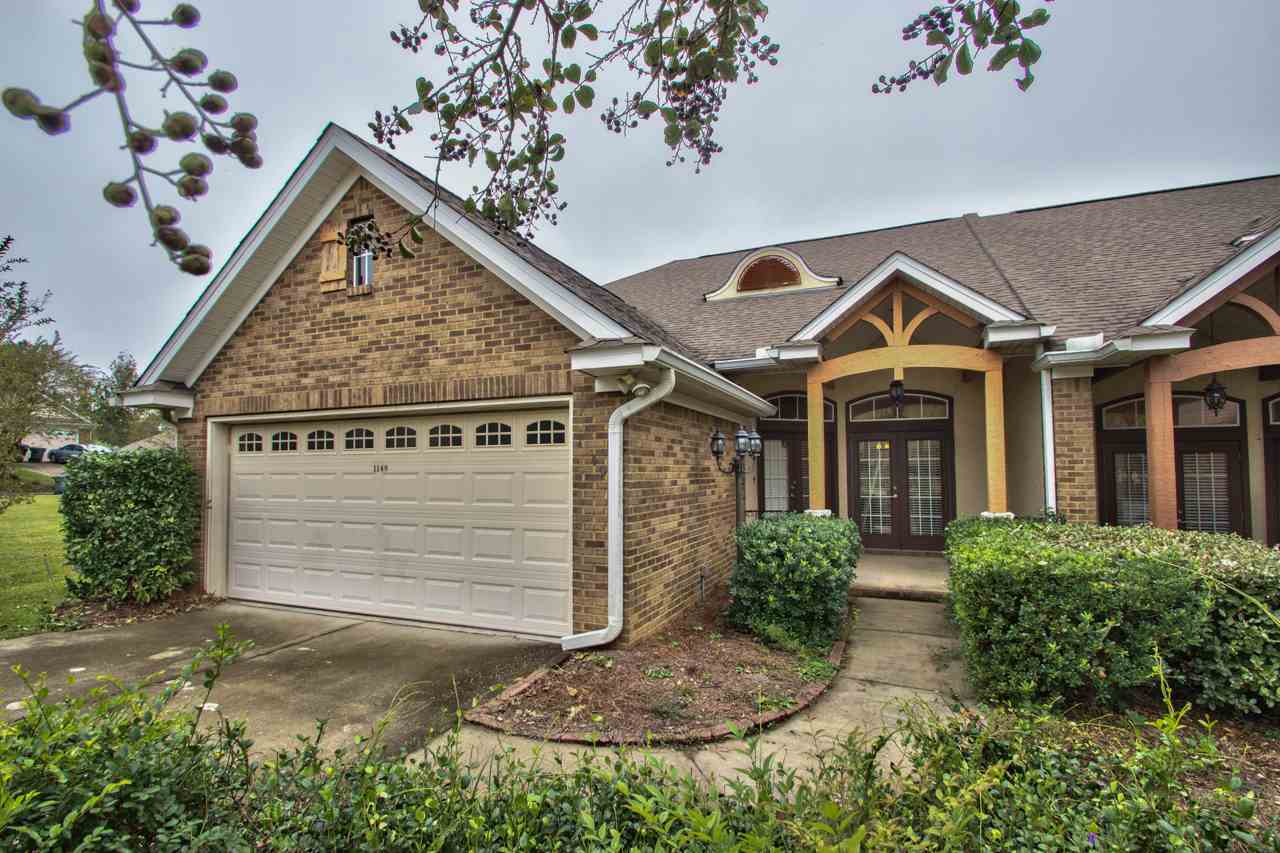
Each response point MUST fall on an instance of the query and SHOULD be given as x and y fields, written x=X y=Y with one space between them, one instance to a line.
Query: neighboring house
x=165 y=439
x=480 y=436
x=55 y=426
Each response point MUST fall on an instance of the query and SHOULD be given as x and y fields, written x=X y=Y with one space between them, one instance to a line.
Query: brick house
x=481 y=437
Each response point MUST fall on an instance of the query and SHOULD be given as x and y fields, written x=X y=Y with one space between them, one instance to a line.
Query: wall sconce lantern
x=1215 y=395
x=745 y=445
x=897 y=393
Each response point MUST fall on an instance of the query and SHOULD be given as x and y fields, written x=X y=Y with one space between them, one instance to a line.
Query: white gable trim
x=1231 y=271
x=927 y=277
x=583 y=319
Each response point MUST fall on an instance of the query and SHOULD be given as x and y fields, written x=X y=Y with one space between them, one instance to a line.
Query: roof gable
x=318 y=184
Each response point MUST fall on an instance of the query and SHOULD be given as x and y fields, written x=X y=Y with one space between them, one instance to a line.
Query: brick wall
x=1074 y=453
x=679 y=513
x=440 y=327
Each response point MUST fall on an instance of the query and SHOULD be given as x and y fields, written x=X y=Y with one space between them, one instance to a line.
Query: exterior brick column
x=1074 y=449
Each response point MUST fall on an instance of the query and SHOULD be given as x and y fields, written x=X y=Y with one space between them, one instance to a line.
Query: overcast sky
x=1130 y=96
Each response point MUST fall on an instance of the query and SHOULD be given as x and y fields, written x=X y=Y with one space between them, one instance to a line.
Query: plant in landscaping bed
x=790 y=584
x=1050 y=609
x=130 y=521
x=120 y=770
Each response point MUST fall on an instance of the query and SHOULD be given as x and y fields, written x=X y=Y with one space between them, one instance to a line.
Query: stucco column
x=1162 y=476
x=817 y=445
x=997 y=489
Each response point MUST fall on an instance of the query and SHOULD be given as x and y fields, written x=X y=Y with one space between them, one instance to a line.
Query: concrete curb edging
x=482 y=715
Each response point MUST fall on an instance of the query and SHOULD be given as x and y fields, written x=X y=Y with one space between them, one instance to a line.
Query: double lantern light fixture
x=744 y=444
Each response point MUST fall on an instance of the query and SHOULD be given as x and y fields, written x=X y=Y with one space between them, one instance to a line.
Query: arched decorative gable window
x=915 y=407
x=772 y=270
x=794 y=407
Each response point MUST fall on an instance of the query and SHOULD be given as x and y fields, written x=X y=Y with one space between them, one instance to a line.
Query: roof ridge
x=1122 y=196
x=968 y=221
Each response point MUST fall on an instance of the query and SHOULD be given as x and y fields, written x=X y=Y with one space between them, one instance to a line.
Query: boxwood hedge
x=792 y=576
x=130 y=522
x=1048 y=610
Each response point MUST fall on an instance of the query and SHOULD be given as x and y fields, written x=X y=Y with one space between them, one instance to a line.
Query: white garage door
x=462 y=519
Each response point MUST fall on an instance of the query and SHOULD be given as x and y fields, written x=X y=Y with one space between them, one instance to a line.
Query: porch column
x=817 y=445
x=997 y=490
x=1162 y=477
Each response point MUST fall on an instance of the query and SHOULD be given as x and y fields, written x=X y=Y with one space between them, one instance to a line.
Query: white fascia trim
x=180 y=402
x=583 y=319
x=1022 y=333
x=1217 y=281
x=795 y=351
x=615 y=359
x=334 y=199
x=504 y=403
x=614 y=385
x=943 y=285
x=798 y=351
x=730 y=365
x=1125 y=350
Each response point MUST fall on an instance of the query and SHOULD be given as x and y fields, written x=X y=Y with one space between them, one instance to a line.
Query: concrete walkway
x=914 y=578
x=901 y=651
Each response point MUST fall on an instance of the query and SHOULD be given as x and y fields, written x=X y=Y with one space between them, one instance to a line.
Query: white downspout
x=610 y=632
x=1047 y=438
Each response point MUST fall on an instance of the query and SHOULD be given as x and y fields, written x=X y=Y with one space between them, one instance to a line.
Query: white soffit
x=315 y=188
x=930 y=279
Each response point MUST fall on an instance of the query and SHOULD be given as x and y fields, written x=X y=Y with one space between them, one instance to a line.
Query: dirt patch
x=683 y=686
x=76 y=615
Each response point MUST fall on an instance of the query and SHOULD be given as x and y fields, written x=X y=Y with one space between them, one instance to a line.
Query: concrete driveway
x=303 y=667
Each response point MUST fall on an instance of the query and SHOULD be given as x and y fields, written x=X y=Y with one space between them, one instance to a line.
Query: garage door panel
x=456 y=534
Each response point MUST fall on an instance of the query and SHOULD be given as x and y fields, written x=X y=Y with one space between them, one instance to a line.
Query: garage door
x=461 y=519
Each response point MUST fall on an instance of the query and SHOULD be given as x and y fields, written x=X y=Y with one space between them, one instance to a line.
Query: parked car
x=64 y=454
x=27 y=453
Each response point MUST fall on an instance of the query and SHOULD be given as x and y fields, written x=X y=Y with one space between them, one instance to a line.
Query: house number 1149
x=379 y=469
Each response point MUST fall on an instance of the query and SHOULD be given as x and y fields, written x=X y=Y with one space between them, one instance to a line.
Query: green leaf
x=582 y=11
x=415 y=234
x=573 y=73
x=405 y=251
x=567 y=103
x=646 y=108
x=653 y=53
x=940 y=70
x=671 y=135
x=585 y=95
x=1002 y=57
x=1025 y=83
x=937 y=37
x=1038 y=18
x=964 y=59
x=589 y=30
x=491 y=160
x=1028 y=53
x=568 y=36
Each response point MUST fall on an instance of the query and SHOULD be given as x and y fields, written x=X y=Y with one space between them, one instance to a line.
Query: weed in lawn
x=658 y=672
x=601 y=660
x=716 y=635
x=669 y=708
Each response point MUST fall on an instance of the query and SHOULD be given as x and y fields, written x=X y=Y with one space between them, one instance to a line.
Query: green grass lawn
x=32 y=565
x=35 y=478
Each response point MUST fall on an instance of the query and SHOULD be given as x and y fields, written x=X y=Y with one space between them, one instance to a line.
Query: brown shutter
x=333 y=260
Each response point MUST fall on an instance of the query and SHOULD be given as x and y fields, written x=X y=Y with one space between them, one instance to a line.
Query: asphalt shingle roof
x=1098 y=266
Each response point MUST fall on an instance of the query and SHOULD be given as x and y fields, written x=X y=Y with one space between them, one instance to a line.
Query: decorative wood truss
x=897 y=355
x=1163 y=371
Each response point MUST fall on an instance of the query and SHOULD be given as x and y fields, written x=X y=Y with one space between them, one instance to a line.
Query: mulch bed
x=76 y=615
x=685 y=686
x=1250 y=746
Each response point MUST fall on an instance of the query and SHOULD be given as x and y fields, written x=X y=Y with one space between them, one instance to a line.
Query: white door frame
x=218 y=462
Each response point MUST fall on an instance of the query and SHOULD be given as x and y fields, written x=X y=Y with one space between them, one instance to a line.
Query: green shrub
x=1049 y=609
x=792 y=577
x=123 y=769
x=130 y=522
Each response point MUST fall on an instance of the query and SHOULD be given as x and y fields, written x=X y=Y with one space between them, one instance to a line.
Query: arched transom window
x=768 y=273
x=915 y=407
x=795 y=407
x=1189 y=410
x=771 y=270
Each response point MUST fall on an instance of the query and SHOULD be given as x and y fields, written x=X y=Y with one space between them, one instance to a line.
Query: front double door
x=901 y=488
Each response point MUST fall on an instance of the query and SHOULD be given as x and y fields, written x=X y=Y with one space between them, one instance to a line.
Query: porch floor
x=907 y=576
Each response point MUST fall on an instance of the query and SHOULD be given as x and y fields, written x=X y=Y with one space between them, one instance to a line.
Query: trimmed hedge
x=1051 y=610
x=130 y=523
x=793 y=573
